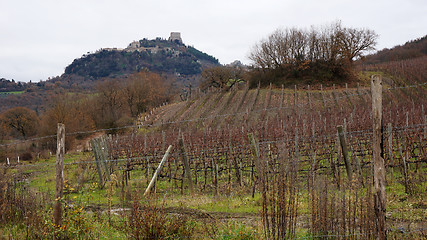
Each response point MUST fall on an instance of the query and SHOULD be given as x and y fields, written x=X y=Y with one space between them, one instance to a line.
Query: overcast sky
x=39 y=38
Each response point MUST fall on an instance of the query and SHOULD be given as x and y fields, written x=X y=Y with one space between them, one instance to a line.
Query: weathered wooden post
x=216 y=171
x=379 y=168
x=97 y=152
x=187 y=172
x=163 y=141
x=147 y=172
x=256 y=162
x=295 y=96
x=234 y=162
x=407 y=119
x=158 y=170
x=60 y=152
x=323 y=97
x=281 y=97
x=424 y=118
x=390 y=147
x=345 y=152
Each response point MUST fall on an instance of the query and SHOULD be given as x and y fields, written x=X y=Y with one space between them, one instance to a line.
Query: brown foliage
x=20 y=122
x=119 y=99
x=143 y=91
x=150 y=221
x=71 y=110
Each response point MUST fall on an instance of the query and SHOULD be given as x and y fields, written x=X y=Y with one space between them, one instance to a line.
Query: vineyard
x=283 y=163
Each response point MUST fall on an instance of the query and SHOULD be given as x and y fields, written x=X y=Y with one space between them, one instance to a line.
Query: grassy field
x=107 y=213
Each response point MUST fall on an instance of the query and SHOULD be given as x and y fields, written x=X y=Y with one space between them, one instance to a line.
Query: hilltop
x=171 y=58
x=157 y=55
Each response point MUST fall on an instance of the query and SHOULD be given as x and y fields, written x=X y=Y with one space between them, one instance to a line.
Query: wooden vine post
x=187 y=172
x=345 y=152
x=379 y=168
x=158 y=170
x=60 y=152
x=260 y=171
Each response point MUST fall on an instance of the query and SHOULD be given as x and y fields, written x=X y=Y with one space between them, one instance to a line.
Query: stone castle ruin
x=136 y=45
x=175 y=36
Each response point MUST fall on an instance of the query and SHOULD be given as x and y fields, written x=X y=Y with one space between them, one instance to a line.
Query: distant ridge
x=410 y=50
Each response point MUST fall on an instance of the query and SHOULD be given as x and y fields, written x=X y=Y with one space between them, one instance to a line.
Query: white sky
x=39 y=38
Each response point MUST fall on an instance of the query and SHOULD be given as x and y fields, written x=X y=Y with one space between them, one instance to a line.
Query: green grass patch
x=11 y=93
x=234 y=230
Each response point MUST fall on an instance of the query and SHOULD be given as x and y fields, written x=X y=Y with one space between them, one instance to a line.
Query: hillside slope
x=410 y=50
x=403 y=65
x=252 y=107
x=157 y=55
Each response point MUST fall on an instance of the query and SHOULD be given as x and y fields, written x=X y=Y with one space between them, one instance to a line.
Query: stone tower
x=175 y=36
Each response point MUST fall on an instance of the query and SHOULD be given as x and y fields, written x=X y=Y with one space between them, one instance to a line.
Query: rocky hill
x=179 y=62
x=158 y=55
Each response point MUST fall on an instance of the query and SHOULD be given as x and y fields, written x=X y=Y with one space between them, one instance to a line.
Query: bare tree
x=354 y=42
x=109 y=103
x=223 y=77
x=296 y=50
x=144 y=90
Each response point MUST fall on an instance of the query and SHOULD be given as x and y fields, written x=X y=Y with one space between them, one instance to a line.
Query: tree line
x=115 y=103
x=298 y=56
x=321 y=53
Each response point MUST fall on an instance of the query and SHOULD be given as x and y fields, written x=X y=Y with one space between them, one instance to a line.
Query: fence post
x=390 y=147
x=256 y=162
x=390 y=141
x=295 y=96
x=424 y=118
x=345 y=152
x=379 y=168
x=96 y=152
x=158 y=170
x=323 y=97
x=187 y=172
x=235 y=163
x=60 y=151
x=281 y=97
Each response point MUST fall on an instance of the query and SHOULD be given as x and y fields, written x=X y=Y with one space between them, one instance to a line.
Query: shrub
x=150 y=221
